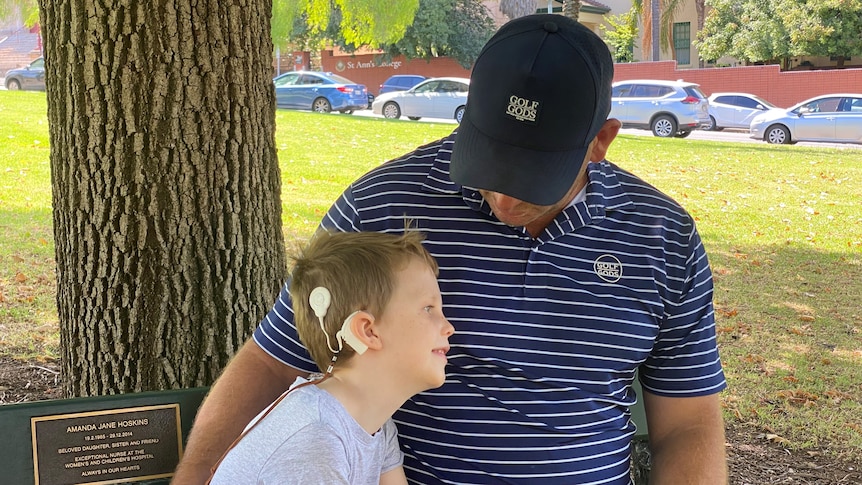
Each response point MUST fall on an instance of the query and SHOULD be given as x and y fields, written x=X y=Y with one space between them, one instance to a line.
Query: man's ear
x=603 y=139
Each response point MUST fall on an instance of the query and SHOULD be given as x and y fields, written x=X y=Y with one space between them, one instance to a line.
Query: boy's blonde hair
x=358 y=269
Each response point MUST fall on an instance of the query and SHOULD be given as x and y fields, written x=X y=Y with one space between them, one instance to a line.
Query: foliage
x=623 y=34
x=359 y=22
x=747 y=30
x=28 y=10
x=757 y=31
x=453 y=28
x=826 y=27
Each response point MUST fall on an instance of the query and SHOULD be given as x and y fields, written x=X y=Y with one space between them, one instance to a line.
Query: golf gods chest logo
x=522 y=109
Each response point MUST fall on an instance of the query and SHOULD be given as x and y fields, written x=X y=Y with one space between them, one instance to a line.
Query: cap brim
x=534 y=176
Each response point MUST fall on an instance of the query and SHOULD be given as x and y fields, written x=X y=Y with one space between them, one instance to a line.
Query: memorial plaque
x=110 y=446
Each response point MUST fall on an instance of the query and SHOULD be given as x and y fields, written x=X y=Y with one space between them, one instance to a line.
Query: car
x=400 y=82
x=439 y=97
x=668 y=108
x=734 y=110
x=319 y=91
x=830 y=117
x=30 y=77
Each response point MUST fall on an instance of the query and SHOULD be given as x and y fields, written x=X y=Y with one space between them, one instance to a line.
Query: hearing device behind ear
x=347 y=336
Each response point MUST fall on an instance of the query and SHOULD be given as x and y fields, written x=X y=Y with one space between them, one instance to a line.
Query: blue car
x=319 y=91
x=29 y=77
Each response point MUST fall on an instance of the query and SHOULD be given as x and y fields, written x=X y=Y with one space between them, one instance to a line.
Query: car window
x=854 y=105
x=725 y=100
x=286 y=80
x=452 y=87
x=621 y=91
x=429 y=87
x=38 y=64
x=311 y=79
x=748 y=102
x=649 y=91
x=825 y=105
x=694 y=91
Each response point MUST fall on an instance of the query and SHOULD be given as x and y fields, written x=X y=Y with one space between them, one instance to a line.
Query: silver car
x=734 y=110
x=668 y=108
x=440 y=97
x=831 y=117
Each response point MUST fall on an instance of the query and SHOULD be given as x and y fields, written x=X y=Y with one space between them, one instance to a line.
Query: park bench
x=130 y=438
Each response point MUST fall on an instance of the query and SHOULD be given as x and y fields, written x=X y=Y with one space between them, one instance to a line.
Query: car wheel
x=663 y=126
x=682 y=134
x=346 y=111
x=391 y=111
x=13 y=85
x=459 y=114
x=414 y=118
x=777 y=134
x=711 y=125
x=321 y=105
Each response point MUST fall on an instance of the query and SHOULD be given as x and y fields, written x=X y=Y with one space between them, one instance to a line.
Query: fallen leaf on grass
x=806 y=318
x=20 y=277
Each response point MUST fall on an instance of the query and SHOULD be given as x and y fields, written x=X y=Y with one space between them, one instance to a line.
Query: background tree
x=622 y=34
x=453 y=28
x=749 y=30
x=825 y=28
x=167 y=214
x=359 y=23
x=572 y=9
x=517 y=8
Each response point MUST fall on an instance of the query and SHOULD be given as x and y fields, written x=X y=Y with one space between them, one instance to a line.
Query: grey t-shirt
x=308 y=438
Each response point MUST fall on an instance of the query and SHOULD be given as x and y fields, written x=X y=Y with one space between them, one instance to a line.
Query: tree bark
x=166 y=187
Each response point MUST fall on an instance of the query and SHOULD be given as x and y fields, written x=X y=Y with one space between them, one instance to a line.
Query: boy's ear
x=363 y=327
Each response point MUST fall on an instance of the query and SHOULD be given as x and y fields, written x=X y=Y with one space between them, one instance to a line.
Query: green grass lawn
x=782 y=225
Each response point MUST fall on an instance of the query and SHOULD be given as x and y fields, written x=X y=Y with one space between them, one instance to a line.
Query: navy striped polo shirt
x=549 y=331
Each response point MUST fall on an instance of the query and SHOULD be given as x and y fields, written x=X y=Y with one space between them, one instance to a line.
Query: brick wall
x=769 y=82
x=781 y=88
x=371 y=70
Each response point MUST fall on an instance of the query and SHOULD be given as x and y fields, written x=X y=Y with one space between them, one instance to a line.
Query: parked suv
x=668 y=108
x=400 y=82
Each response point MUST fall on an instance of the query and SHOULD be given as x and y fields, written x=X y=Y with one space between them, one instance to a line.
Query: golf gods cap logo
x=522 y=109
x=608 y=268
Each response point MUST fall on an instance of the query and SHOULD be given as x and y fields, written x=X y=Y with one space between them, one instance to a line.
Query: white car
x=734 y=110
x=831 y=117
x=440 y=97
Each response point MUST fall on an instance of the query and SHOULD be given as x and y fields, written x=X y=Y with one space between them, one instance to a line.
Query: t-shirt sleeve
x=392 y=457
x=315 y=454
x=684 y=361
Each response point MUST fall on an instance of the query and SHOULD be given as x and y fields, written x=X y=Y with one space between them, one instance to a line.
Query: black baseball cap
x=540 y=91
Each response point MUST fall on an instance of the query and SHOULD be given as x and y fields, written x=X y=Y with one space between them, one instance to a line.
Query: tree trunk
x=167 y=213
x=517 y=8
x=572 y=9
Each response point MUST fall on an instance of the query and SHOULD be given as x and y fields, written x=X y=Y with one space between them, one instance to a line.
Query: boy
x=368 y=308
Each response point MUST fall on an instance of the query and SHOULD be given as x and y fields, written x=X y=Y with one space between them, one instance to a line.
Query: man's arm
x=250 y=382
x=686 y=440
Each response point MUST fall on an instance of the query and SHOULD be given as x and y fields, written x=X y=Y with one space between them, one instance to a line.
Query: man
x=563 y=278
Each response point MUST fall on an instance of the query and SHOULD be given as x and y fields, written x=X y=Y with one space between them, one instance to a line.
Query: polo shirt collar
x=603 y=193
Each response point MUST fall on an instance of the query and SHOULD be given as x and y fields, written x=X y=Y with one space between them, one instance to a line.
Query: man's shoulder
x=643 y=194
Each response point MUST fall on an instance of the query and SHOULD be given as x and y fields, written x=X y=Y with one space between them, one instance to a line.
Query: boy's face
x=413 y=329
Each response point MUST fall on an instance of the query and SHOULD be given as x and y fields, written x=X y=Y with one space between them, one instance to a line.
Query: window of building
x=682 y=42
